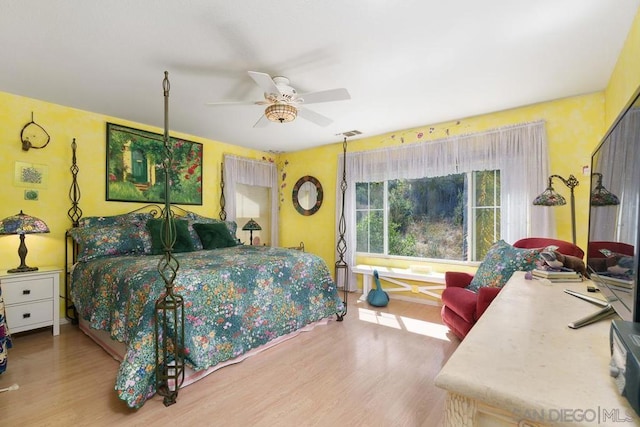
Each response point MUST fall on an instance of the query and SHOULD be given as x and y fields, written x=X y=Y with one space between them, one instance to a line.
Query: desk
x=391 y=274
x=522 y=366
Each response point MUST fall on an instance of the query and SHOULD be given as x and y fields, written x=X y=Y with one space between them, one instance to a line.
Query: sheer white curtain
x=240 y=170
x=620 y=176
x=519 y=152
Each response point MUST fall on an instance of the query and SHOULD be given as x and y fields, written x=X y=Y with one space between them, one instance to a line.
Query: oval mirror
x=307 y=195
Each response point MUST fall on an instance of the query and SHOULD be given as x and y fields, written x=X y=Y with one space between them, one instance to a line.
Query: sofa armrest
x=457 y=279
x=486 y=296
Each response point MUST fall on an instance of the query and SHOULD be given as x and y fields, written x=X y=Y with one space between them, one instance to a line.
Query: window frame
x=471 y=181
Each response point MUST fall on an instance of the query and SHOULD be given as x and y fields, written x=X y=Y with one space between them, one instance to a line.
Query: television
x=614 y=215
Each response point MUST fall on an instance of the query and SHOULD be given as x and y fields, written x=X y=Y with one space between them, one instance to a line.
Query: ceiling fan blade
x=314 y=117
x=231 y=103
x=325 y=96
x=265 y=82
x=262 y=122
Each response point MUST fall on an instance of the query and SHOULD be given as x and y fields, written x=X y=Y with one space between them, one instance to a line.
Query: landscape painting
x=135 y=171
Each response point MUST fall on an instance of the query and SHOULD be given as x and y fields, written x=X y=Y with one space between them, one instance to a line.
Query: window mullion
x=471 y=217
x=385 y=222
x=496 y=207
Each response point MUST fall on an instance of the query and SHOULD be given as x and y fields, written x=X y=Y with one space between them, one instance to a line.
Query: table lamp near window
x=251 y=226
x=22 y=224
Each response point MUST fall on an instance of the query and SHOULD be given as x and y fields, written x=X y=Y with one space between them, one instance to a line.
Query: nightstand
x=31 y=299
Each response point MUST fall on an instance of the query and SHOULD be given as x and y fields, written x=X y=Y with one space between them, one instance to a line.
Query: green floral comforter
x=235 y=299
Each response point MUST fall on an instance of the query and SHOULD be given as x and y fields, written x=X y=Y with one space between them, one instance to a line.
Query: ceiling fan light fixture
x=281 y=113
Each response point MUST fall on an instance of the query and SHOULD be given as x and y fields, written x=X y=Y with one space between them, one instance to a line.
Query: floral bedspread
x=235 y=299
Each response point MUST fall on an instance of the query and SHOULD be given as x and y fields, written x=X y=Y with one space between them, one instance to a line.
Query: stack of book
x=557 y=275
x=613 y=280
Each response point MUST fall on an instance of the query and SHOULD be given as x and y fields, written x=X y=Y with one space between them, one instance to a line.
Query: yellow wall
x=63 y=124
x=625 y=78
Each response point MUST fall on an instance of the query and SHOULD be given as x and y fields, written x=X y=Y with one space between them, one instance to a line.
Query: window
x=453 y=217
x=253 y=203
x=519 y=152
x=251 y=191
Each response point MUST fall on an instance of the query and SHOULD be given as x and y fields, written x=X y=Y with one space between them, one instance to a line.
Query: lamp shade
x=550 y=197
x=604 y=197
x=251 y=225
x=22 y=224
x=600 y=196
x=281 y=113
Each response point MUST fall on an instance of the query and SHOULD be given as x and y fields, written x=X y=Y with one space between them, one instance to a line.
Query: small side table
x=31 y=300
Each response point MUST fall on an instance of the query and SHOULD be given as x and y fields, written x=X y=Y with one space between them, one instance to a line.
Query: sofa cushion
x=501 y=261
x=462 y=302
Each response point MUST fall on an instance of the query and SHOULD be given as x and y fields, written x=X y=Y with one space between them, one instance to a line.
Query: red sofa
x=461 y=308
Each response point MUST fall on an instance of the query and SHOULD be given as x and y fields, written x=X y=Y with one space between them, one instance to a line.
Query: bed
x=237 y=299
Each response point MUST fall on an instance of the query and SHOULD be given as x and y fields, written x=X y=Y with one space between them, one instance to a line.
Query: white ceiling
x=405 y=63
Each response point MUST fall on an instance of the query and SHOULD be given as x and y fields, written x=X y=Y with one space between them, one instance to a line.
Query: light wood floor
x=376 y=368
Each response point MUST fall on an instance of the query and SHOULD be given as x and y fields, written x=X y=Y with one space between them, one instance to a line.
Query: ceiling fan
x=284 y=103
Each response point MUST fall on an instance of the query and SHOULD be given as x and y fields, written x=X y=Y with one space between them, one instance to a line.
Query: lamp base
x=22 y=269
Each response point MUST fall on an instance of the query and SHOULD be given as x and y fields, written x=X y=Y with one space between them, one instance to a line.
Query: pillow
x=183 y=241
x=501 y=261
x=215 y=235
x=194 y=218
x=137 y=218
x=94 y=242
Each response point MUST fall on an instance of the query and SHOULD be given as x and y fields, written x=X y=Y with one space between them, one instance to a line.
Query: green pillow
x=183 y=241
x=194 y=218
x=214 y=235
x=501 y=261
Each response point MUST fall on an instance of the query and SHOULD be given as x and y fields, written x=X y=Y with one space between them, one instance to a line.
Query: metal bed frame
x=169 y=345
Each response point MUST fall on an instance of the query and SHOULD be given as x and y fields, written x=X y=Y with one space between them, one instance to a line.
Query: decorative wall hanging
x=33 y=136
x=30 y=175
x=31 y=195
x=135 y=172
x=307 y=195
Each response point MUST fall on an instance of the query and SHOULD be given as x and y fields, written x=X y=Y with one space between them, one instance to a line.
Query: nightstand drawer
x=23 y=291
x=27 y=316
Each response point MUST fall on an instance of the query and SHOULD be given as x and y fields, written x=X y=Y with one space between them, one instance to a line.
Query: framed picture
x=31 y=175
x=135 y=172
x=31 y=195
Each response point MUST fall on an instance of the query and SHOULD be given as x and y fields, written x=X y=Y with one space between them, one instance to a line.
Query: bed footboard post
x=169 y=308
x=74 y=213
x=341 y=267
x=223 y=213
x=169 y=341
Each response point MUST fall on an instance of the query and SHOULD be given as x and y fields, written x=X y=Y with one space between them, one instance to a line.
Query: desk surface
x=521 y=356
